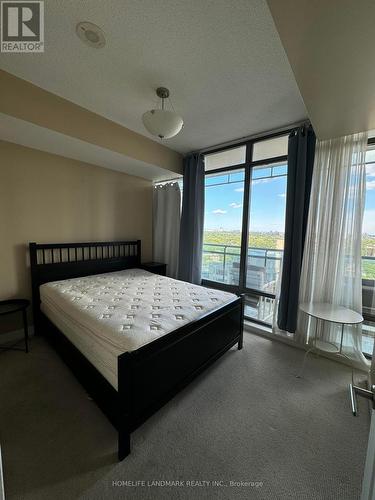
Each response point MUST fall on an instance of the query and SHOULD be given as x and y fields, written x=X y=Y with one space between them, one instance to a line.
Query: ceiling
x=223 y=62
x=330 y=46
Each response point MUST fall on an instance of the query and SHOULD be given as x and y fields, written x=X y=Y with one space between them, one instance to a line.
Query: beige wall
x=48 y=198
x=34 y=104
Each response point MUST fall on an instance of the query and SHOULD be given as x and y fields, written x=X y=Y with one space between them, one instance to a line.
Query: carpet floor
x=247 y=423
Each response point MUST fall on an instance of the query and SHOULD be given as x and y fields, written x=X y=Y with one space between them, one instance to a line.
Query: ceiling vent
x=90 y=34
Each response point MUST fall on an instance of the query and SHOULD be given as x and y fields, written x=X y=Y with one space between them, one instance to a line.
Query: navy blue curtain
x=301 y=152
x=192 y=220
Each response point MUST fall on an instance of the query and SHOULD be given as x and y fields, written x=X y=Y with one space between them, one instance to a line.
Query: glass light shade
x=162 y=123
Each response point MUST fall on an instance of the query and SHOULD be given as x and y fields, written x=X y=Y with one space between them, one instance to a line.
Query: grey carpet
x=247 y=418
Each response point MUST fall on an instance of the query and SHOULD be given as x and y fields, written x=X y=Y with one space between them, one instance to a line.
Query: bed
x=132 y=338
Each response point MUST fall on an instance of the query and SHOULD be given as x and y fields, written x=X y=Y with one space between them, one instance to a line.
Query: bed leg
x=123 y=444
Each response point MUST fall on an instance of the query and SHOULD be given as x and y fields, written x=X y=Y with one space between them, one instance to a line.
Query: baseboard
x=267 y=333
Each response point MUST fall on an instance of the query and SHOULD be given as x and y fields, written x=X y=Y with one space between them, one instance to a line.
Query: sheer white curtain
x=331 y=268
x=166 y=225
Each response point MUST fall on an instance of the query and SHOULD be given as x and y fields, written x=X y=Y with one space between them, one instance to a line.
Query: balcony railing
x=221 y=263
x=368 y=267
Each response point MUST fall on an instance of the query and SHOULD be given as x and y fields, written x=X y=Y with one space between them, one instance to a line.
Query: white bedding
x=107 y=314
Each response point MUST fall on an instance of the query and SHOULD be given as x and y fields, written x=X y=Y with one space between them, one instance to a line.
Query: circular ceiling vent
x=90 y=34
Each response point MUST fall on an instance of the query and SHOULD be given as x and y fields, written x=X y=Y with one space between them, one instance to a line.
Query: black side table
x=155 y=267
x=14 y=306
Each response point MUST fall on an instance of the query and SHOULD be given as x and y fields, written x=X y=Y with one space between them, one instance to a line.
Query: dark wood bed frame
x=154 y=373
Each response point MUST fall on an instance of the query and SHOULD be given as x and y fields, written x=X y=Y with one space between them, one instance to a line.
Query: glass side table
x=325 y=311
x=11 y=307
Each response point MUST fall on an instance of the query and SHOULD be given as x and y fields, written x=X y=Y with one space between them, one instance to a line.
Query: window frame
x=248 y=166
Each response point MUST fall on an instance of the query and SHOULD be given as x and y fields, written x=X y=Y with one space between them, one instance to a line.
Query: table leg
x=300 y=373
x=342 y=338
x=25 y=329
x=316 y=331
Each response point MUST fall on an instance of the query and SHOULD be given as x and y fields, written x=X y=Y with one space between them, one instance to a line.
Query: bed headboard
x=59 y=261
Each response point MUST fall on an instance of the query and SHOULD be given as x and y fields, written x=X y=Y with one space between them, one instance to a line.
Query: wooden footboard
x=152 y=375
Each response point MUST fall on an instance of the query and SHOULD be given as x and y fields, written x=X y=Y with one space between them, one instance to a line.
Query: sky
x=224 y=205
x=369 y=216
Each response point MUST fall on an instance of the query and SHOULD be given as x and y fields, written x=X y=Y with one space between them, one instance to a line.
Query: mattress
x=107 y=314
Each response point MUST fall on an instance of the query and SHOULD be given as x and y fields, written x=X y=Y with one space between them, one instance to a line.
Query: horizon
x=221 y=230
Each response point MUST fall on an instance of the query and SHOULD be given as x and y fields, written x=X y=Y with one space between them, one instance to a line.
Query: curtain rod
x=251 y=137
x=167 y=181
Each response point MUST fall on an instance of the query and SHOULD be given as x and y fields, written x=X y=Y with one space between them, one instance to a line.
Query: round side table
x=14 y=306
x=334 y=314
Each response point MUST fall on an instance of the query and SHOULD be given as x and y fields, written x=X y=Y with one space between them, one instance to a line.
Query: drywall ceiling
x=330 y=46
x=33 y=104
x=223 y=62
x=33 y=136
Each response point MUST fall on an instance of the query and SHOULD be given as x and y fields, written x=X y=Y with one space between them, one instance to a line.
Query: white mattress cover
x=107 y=314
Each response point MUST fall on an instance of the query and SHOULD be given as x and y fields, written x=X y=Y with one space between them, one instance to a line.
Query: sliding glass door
x=267 y=196
x=245 y=194
x=223 y=227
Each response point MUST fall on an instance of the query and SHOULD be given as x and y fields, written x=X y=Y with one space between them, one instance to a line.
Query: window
x=248 y=265
x=368 y=335
x=223 y=227
x=368 y=256
x=252 y=265
x=266 y=228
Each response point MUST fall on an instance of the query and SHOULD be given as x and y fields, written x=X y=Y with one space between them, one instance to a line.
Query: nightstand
x=13 y=306
x=155 y=267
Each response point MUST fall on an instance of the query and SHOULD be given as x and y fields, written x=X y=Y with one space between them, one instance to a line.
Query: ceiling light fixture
x=161 y=122
x=90 y=34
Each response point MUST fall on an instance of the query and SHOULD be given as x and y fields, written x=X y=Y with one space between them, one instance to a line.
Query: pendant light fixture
x=161 y=122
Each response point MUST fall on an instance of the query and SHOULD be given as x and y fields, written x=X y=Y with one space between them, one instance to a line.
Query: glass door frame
x=248 y=169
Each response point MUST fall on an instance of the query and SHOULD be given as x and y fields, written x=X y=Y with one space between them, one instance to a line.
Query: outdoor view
x=368 y=255
x=368 y=238
x=223 y=230
x=224 y=198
